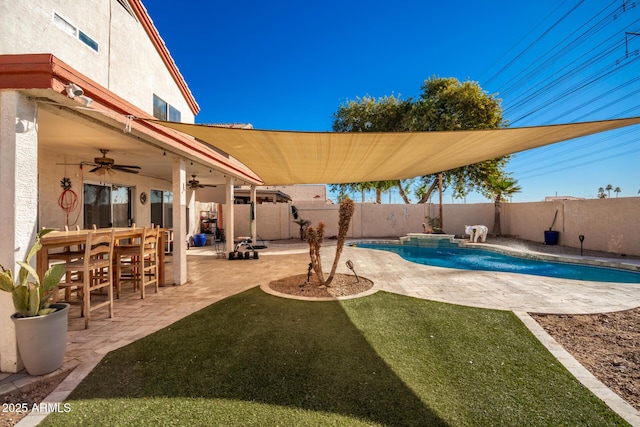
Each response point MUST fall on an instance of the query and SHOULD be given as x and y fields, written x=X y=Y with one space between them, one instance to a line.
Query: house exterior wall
x=127 y=62
x=608 y=225
x=53 y=167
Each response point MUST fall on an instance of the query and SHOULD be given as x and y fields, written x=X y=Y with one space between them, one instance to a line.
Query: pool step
x=432 y=240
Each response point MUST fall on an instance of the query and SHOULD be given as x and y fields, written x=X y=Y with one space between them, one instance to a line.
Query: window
x=162 y=208
x=107 y=206
x=174 y=114
x=163 y=111
x=64 y=25
x=88 y=40
x=72 y=30
x=159 y=108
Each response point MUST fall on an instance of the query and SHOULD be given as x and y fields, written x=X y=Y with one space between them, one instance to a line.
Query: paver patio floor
x=212 y=279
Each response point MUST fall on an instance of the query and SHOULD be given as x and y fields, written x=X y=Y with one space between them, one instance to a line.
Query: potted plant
x=41 y=327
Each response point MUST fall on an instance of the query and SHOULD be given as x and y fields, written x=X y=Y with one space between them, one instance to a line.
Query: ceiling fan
x=194 y=184
x=104 y=164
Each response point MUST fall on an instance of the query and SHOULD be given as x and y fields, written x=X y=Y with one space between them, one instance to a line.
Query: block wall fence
x=610 y=225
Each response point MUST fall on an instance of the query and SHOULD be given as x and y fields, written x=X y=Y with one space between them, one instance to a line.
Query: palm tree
x=500 y=188
x=608 y=188
x=303 y=223
x=617 y=190
x=601 y=194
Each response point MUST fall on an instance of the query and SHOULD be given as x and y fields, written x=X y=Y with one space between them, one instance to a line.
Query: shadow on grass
x=258 y=348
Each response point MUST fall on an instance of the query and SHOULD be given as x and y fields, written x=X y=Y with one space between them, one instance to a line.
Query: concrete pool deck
x=212 y=279
x=494 y=290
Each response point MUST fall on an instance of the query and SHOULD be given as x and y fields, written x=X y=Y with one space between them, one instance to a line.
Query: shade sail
x=287 y=158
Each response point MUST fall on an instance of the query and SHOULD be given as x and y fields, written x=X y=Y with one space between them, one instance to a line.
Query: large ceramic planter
x=42 y=340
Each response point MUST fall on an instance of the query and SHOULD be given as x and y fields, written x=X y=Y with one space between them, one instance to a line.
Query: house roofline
x=45 y=71
x=161 y=47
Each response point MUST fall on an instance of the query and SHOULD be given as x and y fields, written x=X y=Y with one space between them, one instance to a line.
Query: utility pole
x=626 y=41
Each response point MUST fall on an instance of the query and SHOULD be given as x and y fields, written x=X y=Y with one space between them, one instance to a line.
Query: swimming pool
x=478 y=259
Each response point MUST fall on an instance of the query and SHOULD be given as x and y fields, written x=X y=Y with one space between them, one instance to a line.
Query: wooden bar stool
x=96 y=271
x=68 y=254
x=139 y=263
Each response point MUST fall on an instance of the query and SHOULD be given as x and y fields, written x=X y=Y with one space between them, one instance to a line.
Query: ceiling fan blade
x=115 y=167
x=95 y=169
x=127 y=166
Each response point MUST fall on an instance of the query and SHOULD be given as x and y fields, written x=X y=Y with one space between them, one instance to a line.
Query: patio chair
x=93 y=272
x=68 y=253
x=139 y=262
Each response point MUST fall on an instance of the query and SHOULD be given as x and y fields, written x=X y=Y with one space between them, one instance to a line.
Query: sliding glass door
x=107 y=206
x=162 y=208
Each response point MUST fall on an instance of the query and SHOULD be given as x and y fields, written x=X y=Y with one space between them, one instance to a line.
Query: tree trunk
x=497 y=231
x=440 y=192
x=378 y=196
x=347 y=208
x=427 y=195
x=402 y=193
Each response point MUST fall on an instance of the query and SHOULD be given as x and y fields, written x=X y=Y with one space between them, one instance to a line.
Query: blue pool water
x=478 y=259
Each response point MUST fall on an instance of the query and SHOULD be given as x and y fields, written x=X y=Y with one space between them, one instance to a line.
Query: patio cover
x=287 y=158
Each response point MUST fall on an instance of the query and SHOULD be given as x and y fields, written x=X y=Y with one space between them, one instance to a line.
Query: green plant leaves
x=21 y=299
x=6 y=280
x=31 y=298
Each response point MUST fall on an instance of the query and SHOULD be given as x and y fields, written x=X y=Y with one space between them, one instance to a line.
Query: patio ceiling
x=78 y=135
x=287 y=158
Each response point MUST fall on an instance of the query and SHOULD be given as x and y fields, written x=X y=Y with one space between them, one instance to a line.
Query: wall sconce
x=74 y=90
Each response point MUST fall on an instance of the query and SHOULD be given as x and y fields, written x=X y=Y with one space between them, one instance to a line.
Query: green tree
x=303 y=223
x=608 y=189
x=444 y=104
x=601 y=194
x=447 y=104
x=370 y=115
x=617 y=190
x=499 y=188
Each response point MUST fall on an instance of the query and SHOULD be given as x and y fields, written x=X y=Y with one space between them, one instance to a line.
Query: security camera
x=74 y=90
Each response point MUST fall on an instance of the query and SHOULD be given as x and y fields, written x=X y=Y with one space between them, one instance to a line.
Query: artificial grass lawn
x=386 y=359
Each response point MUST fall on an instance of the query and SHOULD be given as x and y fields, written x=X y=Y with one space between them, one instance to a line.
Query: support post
x=179 y=178
x=229 y=214
x=19 y=207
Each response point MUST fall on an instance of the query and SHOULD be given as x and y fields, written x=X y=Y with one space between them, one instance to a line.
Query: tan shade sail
x=287 y=158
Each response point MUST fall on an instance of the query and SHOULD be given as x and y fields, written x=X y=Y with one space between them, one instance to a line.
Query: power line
x=535 y=41
x=565 y=167
x=551 y=151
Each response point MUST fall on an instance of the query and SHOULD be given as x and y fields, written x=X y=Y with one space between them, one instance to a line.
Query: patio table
x=61 y=239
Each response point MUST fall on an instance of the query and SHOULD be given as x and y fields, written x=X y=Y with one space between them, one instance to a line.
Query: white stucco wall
x=126 y=63
x=18 y=210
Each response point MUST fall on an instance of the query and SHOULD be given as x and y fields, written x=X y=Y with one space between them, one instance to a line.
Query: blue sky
x=289 y=66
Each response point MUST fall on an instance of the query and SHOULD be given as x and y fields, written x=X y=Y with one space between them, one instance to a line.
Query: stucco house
x=73 y=76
